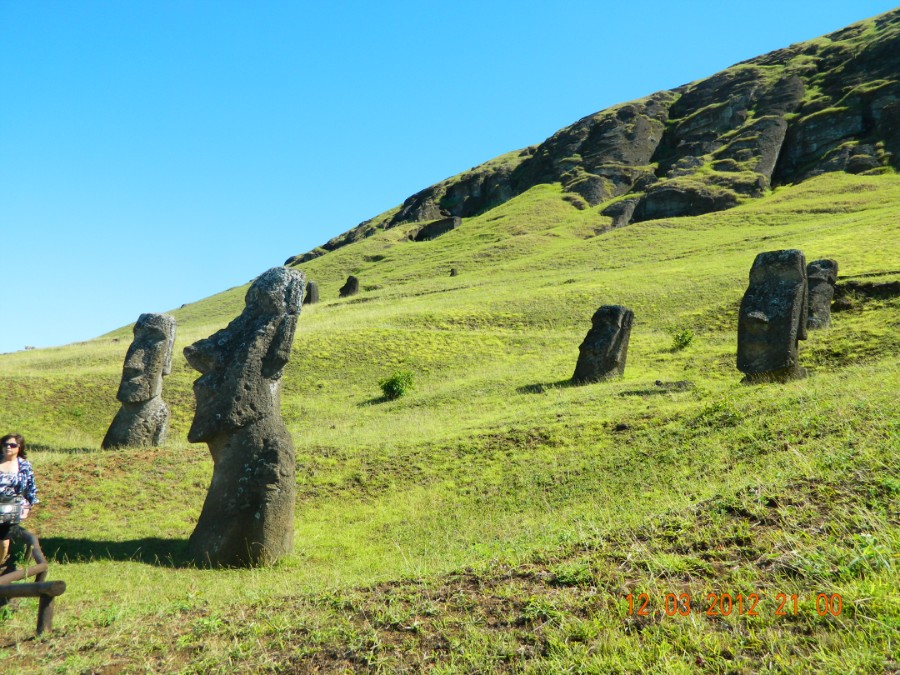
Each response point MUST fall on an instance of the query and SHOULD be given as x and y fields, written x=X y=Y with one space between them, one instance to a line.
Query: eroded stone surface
x=773 y=317
x=248 y=515
x=821 y=276
x=143 y=418
x=603 y=352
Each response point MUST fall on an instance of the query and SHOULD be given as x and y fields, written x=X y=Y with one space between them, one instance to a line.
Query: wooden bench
x=45 y=591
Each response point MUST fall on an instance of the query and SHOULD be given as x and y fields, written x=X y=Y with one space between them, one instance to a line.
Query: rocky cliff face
x=830 y=104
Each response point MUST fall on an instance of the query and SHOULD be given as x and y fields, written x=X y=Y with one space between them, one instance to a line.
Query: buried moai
x=143 y=418
x=773 y=317
x=604 y=349
x=351 y=287
x=248 y=515
x=821 y=275
x=312 y=293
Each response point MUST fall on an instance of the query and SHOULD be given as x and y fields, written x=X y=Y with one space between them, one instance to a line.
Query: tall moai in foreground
x=821 y=276
x=604 y=349
x=143 y=419
x=248 y=515
x=773 y=317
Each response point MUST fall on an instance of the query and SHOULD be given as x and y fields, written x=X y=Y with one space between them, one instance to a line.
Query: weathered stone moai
x=143 y=419
x=248 y=515
x=312 y=293
x=604 y=349
x=773 y=317
x=351 y=287
x=821 y=275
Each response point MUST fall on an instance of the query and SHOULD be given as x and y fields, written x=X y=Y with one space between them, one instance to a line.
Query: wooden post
x=45 y=591
x=45 y=613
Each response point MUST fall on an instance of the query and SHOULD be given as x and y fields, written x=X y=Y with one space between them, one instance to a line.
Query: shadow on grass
x=541 y=387
x=40 y=447
x=660 y=387
x=149 y=550
x=374 y=401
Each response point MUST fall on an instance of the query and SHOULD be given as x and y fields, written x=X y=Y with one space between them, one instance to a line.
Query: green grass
x=495 y=517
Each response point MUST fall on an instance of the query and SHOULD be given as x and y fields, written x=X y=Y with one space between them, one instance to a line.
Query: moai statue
x=312 y=293
x=773 y=317
x=603 y=351
x=821 y=276
x=349 y=288
x=248 y=515
x=143 y=419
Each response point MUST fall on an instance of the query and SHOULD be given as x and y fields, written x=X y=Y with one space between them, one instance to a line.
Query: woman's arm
x=26 y=478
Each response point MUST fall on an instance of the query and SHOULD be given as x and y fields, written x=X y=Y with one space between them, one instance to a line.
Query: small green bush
x=397 y=384
x=682 y=339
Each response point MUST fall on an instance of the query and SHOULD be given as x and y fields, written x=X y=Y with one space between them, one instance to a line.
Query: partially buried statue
x=248 y=515
x=773 y=317
x=604 y=349
x=821 y=276
x=143 y=418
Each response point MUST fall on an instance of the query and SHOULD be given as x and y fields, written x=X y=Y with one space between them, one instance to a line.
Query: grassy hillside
x=496 y=518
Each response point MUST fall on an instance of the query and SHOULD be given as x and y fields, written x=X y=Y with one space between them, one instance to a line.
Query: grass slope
x=495 y=518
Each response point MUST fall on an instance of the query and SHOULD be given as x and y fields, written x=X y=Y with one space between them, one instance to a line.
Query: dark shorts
x=4 y=531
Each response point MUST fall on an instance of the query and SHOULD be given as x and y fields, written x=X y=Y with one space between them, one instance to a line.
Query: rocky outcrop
x=830 y=104
x=436 y=228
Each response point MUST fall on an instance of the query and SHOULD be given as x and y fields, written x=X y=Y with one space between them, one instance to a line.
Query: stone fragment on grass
x=604 y=349
x=773 y=317
x=248 y=515
x=143 y=419
x=821 y=276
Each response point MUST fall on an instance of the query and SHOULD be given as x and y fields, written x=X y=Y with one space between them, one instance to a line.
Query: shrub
x=397 y=384
x=682 y=338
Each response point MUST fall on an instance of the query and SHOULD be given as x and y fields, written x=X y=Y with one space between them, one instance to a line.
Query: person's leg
x=4 y=540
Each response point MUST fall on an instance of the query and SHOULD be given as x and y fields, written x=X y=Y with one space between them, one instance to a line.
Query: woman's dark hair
x=18 y=439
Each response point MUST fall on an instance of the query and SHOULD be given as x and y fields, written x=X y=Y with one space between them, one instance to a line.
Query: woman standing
x=16 y=483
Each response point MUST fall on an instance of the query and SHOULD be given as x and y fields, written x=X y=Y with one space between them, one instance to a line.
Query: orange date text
x=729 y=604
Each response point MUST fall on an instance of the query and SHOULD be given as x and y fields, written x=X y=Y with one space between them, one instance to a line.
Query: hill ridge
x=827 y=104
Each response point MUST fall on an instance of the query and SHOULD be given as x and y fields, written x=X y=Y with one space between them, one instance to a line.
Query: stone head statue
x=603 y=352
x=241 y=364
x=821 y=276
x=149 y=358
x=143 y=419
x=773 y=316
x=248 y=515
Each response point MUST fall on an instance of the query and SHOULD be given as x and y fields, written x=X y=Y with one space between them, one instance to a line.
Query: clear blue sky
x=154 y=153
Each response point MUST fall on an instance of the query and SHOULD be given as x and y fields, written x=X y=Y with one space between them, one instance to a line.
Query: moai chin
x=821 y=276
x=143 y=419
x=773 y=317
x=604 y=349
x=248 y=516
